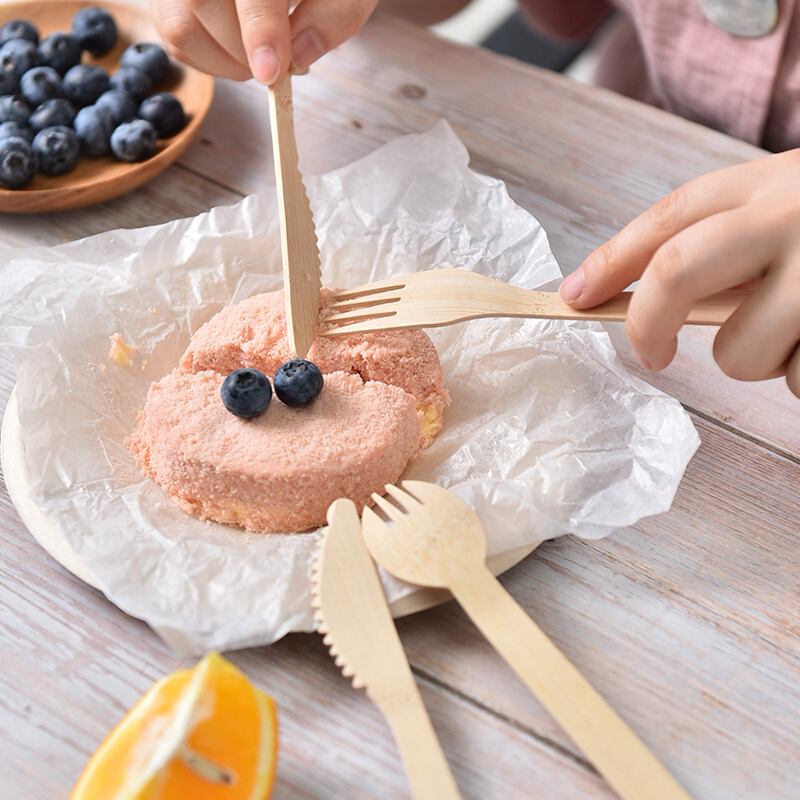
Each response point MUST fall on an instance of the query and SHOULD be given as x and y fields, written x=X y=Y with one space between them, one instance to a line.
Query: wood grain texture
x=687 y=623
x=181 y=193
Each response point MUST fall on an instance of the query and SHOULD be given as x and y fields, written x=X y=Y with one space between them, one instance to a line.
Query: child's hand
x=240 y=39
x=739 y=226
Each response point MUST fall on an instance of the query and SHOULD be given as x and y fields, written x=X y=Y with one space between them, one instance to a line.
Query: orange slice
x=205 y=734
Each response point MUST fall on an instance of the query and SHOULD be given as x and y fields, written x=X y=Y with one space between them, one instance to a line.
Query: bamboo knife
x=299 y=249
x=357 y=625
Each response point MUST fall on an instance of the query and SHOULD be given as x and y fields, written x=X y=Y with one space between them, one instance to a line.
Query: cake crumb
x=120 y=353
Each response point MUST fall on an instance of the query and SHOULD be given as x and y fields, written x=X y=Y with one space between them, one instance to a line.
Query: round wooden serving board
x=15 y=469
x=98 y=179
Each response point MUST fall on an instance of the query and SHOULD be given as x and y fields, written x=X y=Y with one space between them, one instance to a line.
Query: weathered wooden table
x=688 y=623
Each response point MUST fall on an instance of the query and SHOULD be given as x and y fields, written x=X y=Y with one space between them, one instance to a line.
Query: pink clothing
x=667 y=53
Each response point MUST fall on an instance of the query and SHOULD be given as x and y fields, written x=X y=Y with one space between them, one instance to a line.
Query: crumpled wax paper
x=547 y=433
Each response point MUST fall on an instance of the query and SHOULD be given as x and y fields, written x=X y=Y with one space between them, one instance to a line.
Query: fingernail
x=306 y=49
x=643 y=361
x=266 y=65
x=572 y=286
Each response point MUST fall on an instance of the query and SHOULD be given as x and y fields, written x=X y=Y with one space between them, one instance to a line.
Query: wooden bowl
x=98 y=179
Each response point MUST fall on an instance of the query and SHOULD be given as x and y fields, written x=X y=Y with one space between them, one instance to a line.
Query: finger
x=266 y=36
x=793 y=372
x=220 y=19
x=208 y=56
x=623 y=259
x=712 y=255
x=759 y=339
x=320 y=25
x=187 y=40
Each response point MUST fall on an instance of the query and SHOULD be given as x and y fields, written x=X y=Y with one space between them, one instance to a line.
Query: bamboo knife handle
x=426 y=767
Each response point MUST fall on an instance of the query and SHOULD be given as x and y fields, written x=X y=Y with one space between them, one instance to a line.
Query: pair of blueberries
x=54 y=150
x=247 y=392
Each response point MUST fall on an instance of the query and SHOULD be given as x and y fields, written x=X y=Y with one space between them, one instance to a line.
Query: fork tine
x=392 y=511
x=358 y=315
x=408 y=501
x=390 y=285
x=389 y=295
x=370 y=301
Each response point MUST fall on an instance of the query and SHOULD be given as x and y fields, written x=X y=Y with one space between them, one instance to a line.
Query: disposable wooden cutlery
x=432 y=538
x=439 y=297
x=354 y=618
x=299 y=250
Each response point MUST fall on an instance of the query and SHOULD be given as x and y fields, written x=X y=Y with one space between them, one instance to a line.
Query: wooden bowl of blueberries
x=91 y=105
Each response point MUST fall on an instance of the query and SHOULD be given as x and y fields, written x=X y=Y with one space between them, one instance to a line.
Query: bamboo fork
x=439 y=297
x=435 y=539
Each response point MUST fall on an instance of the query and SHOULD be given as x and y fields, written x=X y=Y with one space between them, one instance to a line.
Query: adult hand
x=240 y=39
x=737 y=227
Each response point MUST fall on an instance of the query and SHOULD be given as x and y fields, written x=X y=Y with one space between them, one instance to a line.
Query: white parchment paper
x=547 y=433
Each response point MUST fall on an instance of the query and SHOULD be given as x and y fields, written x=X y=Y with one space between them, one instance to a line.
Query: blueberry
x=132 y=81
x=246 y=393
x=134 y=140
x=58 y=149
x=40 y=84
x=20 y=55
x=122 y=105
x=57 y=111
x=147 y=57
x=95 y=29
x=60 y=50
x=84 y=83
x=297 y=382
x=165 y=111
x=19 y=29
x=14 y=108
x=18 y=163
x=94 y=125
x=19 y=129
x=17 y=56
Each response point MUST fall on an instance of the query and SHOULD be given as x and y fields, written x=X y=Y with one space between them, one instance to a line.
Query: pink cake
x=381 y=403
x=253 y=334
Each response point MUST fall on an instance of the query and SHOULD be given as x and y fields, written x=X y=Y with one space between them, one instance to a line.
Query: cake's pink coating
x=253 y=334
x=280 y=471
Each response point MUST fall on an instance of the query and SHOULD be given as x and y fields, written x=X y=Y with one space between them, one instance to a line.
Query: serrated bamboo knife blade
x=299 y=249
x=357 y=624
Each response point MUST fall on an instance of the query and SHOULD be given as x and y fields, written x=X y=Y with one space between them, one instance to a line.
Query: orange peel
x=205 y=733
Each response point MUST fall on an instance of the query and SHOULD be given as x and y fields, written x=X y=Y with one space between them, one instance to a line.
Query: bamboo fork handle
x=614 y=749
x=713 y=310
x=426 y=767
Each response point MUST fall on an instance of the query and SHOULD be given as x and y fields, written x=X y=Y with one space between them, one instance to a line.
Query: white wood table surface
x=687 y=623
